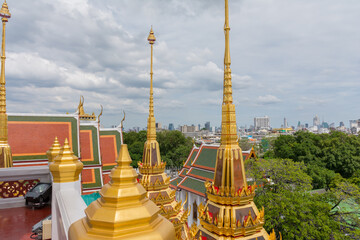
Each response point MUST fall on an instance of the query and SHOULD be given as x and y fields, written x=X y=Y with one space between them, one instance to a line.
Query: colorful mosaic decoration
x=9 y=189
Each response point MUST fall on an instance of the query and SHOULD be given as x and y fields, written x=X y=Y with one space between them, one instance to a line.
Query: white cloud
x=285 y=52
x=268 y=99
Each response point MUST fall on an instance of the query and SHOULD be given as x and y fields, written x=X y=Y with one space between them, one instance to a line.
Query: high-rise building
x=342 y=124
x=158 y=126
x=262 y=123
x=186 y=128
x=353 y=123
x=285 y=123
x=171 y=127
x=316 y=121
x=207 y=126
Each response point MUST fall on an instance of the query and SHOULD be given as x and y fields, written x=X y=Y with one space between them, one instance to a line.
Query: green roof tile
x=193 y=185
x=176 y=181
x=202 y=174
x=207 y=158
x=192 y=157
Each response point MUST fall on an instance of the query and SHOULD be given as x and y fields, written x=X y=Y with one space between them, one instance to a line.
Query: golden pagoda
x=152 y=170
x=54 y=150
x=5 y=151
x=230 y=212
x=123 y=211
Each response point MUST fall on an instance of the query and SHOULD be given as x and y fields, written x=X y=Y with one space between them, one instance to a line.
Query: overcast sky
x=290 y=59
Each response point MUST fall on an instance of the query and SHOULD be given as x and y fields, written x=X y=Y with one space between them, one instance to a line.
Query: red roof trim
x=199 y=177
x=203 y=167
x=189 y=157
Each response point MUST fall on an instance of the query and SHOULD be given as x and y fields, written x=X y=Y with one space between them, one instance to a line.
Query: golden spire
x=229 y=153
x=5 y=151
x=152 y=169
x=66 y=167
x=123 y=211
x=151 y=154
x=54 y=150
x=230 y=212
x=151 y=128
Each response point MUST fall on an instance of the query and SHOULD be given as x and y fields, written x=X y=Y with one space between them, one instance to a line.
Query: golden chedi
x=152 y=170
x=65 y=167
x=5 y=151
x=123 y=211
x=230 y=212
x=54 y=150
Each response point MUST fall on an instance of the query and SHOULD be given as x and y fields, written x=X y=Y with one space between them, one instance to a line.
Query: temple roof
x=200 y=165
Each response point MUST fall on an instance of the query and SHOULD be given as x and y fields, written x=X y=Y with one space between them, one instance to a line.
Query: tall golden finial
x=230 y=211
x=5 y=151
x=151 y=130
x=227 y=61
x=152 y=170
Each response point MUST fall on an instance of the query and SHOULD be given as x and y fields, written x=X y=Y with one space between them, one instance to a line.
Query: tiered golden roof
x=5 y=151
x=152 y=169
x=123 y=211
x=230 y=212
x=54 y=150
x=65 y=167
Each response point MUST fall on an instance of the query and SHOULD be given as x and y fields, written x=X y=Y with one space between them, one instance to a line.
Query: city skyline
x=289 y=59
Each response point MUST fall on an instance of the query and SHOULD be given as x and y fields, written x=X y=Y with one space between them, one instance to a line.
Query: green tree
x=174 y=146
x=278 y=175
x=321 y=176
x=336 y=151
x=292 y=209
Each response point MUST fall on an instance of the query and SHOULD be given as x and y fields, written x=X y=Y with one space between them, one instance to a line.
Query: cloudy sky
x=290 y=59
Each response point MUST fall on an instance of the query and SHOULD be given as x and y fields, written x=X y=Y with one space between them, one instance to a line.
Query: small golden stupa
x=123 y=211
x=152 y=170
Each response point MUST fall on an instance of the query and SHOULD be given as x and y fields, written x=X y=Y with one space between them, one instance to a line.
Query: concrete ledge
x=25 y=173
x=12 y=202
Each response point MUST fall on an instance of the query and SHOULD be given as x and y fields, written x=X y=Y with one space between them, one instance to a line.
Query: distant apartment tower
x=171 y=127
x=316 y=121
x=207 y=126
x=262 y=123
x=186 y=128
x=158 y=125
x=354 y=123
x=285 y=123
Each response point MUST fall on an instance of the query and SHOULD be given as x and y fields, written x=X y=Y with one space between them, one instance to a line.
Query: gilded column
x=65 y=170
x=230 y=212
x=152 y=170
x=5 y=151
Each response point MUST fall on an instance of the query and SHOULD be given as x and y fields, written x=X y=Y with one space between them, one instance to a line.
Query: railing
x=16 y=181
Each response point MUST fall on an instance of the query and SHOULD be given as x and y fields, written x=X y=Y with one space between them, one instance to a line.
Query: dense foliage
x=174 y=146
x=299 y=213
x=323 y=154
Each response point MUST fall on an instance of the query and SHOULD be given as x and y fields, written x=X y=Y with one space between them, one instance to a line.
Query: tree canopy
x=336 y=151
x=299 y=213
x=174 y=146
